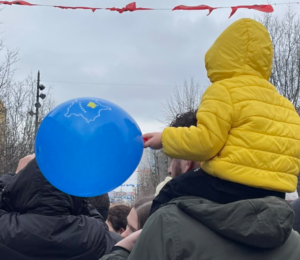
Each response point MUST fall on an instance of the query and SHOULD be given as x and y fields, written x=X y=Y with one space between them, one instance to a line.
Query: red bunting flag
x=191 y=8
x=262 y=8
x=16 y=3
x=77 y=7
x=130 y=7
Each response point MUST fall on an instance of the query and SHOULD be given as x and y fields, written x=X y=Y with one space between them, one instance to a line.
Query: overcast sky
x=159 y=48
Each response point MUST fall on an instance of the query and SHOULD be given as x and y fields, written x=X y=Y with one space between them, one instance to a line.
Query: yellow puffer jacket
x=247 y=132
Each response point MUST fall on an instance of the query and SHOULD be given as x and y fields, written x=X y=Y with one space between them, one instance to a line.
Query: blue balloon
x=88 y=146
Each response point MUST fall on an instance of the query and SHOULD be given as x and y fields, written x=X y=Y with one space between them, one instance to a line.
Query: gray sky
x=161 y=48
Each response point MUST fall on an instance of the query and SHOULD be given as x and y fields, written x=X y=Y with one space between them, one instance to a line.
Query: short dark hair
x=101 y=203
x=117 y=216
x=142 y=208
x=186 y=119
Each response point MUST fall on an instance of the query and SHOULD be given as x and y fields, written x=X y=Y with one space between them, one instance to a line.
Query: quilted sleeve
x=214 y=120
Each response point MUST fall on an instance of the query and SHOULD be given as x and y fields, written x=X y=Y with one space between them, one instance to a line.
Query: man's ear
x=186 y=166
x=121 y=230
x=189 y=165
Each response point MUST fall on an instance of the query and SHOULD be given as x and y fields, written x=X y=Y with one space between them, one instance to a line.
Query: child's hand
x=153 y=140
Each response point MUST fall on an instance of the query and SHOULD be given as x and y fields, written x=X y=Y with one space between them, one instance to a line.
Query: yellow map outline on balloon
x=81 y=105
x=92 y=105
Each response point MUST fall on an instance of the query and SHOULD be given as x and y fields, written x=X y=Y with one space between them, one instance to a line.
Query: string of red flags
x=129 y=8
x=76 y=7
x=195 y=8
x=262 y=8
x=132 y=7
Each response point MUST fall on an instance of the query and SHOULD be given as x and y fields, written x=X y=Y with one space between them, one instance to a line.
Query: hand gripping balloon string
x=145 y=139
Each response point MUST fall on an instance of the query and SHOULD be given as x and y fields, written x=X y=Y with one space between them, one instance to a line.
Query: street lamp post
x=39 y=87
x=37 y=104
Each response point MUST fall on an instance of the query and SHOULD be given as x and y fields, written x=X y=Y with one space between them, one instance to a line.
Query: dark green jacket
x=195 y=228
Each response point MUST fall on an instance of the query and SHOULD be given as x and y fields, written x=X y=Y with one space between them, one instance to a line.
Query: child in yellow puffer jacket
x=247 y=133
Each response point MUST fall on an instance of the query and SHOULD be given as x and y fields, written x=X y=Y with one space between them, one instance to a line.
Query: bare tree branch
x=184 y=98
x=152 y=170
x=16 y=125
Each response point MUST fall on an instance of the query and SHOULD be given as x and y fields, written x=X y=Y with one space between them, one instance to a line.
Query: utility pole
x=39 y=87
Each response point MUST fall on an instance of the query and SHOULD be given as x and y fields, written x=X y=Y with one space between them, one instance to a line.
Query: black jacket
x=40 y=222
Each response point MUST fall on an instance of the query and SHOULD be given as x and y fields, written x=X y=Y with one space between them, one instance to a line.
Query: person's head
x=117 y=218
x=138 y=216
x=101 y=203
x=243 y=48
x=177 y=166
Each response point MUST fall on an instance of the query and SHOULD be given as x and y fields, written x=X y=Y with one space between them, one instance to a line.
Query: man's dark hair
x=117 y=216
x=101 y=203
x=186 y=119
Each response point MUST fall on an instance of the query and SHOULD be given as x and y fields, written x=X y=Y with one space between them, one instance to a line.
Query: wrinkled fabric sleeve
x=7 y=253
x=9 y=222
x=110 y=239
x=214 y=120
x=93 y=212
x=6 y=179
x=119 y=254
x=2 y=212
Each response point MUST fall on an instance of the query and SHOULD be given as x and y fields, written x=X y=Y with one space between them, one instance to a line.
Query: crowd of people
x=234 y=161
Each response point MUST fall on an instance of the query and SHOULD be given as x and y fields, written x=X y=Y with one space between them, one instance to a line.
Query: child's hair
x=142 y=208
x=186 y=119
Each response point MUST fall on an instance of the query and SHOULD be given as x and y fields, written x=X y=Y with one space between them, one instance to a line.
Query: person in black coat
x=39 y=222
x=101 y=204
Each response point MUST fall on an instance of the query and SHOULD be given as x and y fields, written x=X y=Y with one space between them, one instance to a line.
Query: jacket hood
x=30 y=192
x=244 y=48
x=262 y=223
